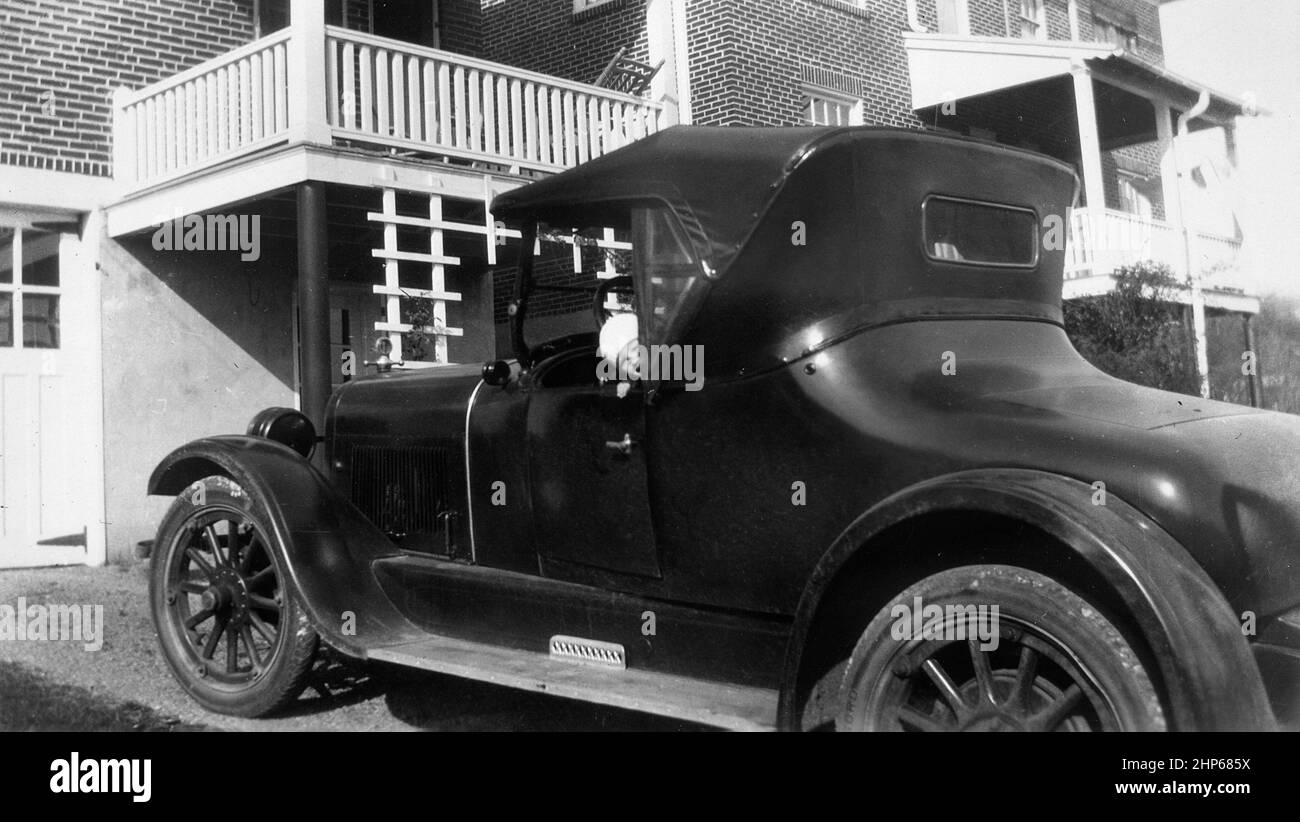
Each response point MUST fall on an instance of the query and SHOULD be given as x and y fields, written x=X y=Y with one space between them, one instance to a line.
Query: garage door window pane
x=6 y=320
x=40 y=258
x=6 y=255
x=40 y=321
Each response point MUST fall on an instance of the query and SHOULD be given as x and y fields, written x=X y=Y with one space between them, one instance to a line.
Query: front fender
x=325 y=544
x=1209 y=674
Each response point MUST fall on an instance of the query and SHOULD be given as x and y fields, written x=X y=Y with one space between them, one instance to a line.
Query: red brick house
x=359 y=143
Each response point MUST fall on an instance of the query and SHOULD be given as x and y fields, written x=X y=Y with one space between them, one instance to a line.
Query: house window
x=580 y=6
x=1107 y=31
x=1132 y=200
x=1033 y=20
x=954 y=17
x=825 y=108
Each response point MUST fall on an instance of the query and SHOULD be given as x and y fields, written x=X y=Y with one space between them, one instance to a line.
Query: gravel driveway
x=129 y=668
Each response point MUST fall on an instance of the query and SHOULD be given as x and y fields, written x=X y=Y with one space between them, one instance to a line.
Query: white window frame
x=847 y=104
x=17 y=287
x=1124 y=39
x=961 y=11
x=1132 y=200
x=580 y=6
x=1036 y=18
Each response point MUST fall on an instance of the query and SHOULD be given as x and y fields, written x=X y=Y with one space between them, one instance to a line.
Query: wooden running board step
x=720 y=704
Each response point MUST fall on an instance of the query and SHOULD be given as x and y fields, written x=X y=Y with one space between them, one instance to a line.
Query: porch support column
x=1169 y=181
x=313 y=302
x=1256 y=381
x=661 y=44
x=306 y=73
x=1085 y=104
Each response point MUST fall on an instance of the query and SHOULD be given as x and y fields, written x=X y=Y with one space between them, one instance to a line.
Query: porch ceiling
x=945 y=68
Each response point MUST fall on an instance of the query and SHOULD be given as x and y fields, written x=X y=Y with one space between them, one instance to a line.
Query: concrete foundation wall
x=195 y=343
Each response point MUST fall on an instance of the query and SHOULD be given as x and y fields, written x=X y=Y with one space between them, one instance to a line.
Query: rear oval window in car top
x=975 y=233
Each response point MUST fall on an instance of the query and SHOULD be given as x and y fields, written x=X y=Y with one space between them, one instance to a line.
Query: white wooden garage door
x=46 y=412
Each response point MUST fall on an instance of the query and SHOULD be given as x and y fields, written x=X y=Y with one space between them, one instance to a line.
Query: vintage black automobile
x=892 y=497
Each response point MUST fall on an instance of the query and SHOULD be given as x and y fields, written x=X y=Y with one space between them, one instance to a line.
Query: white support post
x=1194 y=273
x=489 y=222
x=439 y=280
x=1094 y=187
x=308 y=88
x=124 y=137
x=661 y=45
x=392 y=300
x=1169 y=183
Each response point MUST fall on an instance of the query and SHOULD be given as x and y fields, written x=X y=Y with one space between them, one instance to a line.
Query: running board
x=720 y=704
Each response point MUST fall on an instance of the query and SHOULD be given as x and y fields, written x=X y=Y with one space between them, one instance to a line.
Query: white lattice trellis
x=438 y=261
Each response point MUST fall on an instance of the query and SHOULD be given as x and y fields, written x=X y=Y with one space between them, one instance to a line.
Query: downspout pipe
x=1199 y=329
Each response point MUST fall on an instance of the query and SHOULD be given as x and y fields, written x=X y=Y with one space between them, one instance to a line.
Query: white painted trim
x=469 y=486
x=82 y=266
x=286 y=166
x=41 y=189
x=1085 y=107
x=682 y=56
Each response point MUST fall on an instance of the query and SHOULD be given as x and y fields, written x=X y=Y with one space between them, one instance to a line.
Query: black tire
x=1046 y=660
x=230 y=628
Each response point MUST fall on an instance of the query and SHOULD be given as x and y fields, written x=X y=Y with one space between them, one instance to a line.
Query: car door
x=587 y=472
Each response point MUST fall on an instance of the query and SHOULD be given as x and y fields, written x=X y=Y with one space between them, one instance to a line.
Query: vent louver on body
x=588 y=651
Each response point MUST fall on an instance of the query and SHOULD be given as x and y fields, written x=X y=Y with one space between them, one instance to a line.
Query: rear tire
x=230 y=628
x=1046 y=660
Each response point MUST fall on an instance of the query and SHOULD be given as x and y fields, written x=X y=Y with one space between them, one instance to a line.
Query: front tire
x=1045 y=660
x=228 y=624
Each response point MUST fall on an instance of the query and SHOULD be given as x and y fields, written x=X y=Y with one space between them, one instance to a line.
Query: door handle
x=623 y=446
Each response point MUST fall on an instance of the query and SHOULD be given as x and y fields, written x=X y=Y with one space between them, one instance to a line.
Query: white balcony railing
x=1102 y=240
x=231 y=105
x=397 y=94
x=380 y=93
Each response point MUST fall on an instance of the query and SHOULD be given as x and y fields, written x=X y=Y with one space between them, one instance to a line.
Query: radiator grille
x=403 y=491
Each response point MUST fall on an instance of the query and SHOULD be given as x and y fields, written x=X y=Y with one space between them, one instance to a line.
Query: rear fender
x=325 y=544
x=1209 y=675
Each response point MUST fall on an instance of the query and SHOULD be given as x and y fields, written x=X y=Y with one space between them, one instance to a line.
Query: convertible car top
x=857 y=194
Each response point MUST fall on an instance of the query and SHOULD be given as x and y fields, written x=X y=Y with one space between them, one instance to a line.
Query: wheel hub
x=227 y=595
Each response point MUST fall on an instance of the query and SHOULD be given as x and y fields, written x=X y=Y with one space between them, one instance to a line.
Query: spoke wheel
x=227 y=623
x=1045 y=661
x=224 y=595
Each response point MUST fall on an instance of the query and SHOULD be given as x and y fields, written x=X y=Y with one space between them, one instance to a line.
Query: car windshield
x=570 y=264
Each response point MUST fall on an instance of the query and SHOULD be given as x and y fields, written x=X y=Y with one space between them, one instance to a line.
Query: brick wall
x=461 y=26
x=60 y=61
x=546 y=36
x=749 y=58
